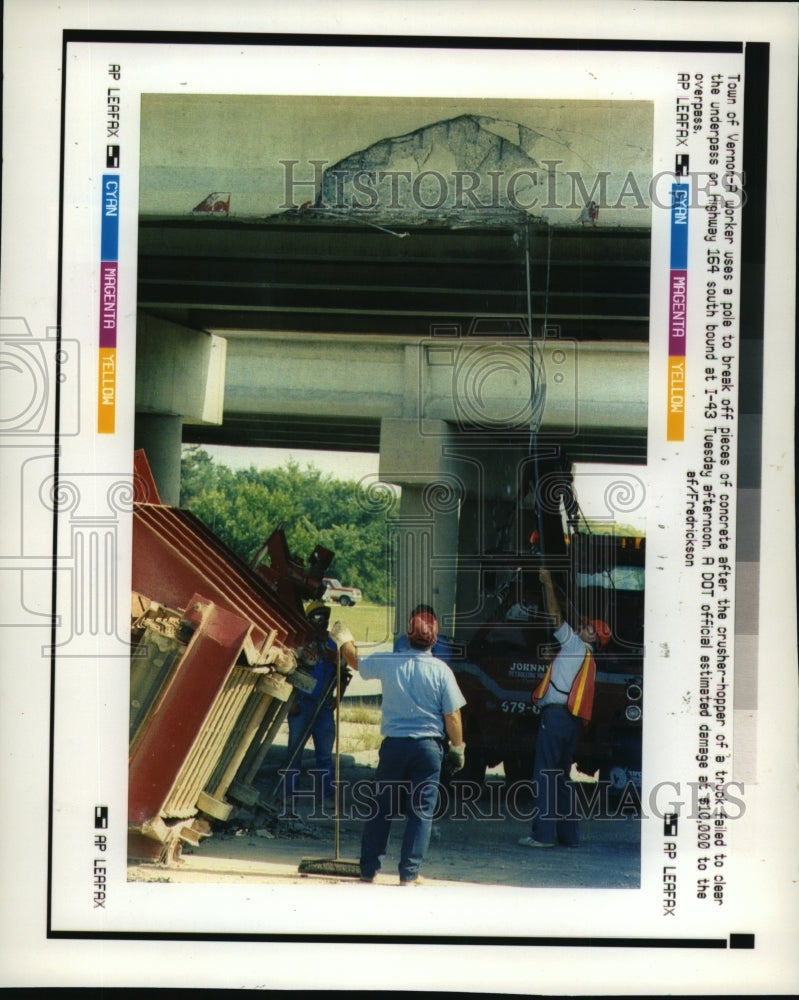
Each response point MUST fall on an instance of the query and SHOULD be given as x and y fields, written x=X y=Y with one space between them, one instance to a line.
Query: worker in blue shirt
x=421 y=706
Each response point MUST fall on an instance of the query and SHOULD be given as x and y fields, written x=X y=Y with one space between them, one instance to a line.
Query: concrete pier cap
x=180 y=378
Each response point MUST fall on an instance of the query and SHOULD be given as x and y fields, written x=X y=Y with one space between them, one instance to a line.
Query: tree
x=244 y=507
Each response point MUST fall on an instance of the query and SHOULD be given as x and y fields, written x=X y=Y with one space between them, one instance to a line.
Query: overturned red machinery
x=212 y=669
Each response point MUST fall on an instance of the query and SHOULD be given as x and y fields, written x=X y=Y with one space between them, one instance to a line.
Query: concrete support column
x=425 y=532
x=180 y=377
x=425 y=543
x=469 y=589
x=489 y=530
x=161 y=436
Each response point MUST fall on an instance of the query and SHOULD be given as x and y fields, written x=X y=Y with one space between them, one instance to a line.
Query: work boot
x=532 y=842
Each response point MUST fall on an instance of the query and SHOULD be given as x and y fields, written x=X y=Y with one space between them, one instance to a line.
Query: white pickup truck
x=336 y=593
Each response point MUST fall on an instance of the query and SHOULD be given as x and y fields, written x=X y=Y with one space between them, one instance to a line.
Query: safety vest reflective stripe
x=541 y=690
x=581 y=695
x=576 y=695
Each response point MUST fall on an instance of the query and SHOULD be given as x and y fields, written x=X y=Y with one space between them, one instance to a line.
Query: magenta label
x=678 y=287
x=108 y=303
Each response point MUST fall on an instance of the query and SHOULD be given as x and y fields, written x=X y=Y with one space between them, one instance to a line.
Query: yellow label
x=107 y=391
x=675 y=416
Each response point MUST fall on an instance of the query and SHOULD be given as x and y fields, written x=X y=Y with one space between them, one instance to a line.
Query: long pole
x=336 y=788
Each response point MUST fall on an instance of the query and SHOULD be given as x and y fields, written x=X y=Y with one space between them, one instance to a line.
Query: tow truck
x=597 y=576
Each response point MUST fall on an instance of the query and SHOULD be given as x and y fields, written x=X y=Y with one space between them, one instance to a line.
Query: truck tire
x=344 y=601
x=518 y=767
x=474 y=768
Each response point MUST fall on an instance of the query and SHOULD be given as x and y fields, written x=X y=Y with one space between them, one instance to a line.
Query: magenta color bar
x=109 y=290
x=678 y=297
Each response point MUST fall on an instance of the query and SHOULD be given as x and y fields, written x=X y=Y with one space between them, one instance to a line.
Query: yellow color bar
x=675 y=417
x=107 y=391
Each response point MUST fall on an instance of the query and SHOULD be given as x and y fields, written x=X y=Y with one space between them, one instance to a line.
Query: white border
x=86 y=963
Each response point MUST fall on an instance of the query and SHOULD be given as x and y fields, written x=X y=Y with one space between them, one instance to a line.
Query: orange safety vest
x=581 y=695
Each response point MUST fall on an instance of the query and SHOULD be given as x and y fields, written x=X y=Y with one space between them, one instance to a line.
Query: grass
x=361 y=715
x=369 y=623
x=357 y=738
x=360 y=728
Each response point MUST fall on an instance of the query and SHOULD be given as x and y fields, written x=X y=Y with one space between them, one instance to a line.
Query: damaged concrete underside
x=469 y=228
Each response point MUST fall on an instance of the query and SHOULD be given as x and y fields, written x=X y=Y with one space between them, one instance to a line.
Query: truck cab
x=597 y=575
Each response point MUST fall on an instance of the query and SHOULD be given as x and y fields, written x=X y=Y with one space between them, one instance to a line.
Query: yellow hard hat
x=313 y=606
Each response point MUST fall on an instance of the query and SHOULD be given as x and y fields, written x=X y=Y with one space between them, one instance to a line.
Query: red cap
x=601 y=628
x=422 y=630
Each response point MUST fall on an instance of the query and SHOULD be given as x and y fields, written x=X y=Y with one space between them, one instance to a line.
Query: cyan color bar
x=109 y=235
x=679 y=226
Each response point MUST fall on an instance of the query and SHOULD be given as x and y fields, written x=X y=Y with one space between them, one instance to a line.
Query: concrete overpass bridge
x=312 y=331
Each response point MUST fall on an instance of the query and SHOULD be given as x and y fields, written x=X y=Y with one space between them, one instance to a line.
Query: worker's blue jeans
x=556 y=818
x=406 y=767
x=323 y=736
